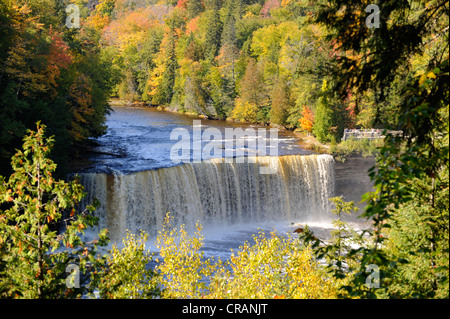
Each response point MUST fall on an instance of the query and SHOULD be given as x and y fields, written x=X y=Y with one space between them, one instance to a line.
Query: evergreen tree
x=168 y=80
x=213 y=30
x=34 y=256
x=408 y=240
x=252 y=88
x=229 y=38
x=229 y=51
x=167 y=67
x=193 y=9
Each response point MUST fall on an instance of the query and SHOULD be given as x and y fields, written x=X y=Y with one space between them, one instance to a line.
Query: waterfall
x=214 y=192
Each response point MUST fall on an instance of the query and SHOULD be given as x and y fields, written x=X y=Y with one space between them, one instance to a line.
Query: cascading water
x=214 y=192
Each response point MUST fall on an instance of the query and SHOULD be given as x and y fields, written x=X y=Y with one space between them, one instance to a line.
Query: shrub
x=127 y=274
x=182 y=267
x=275 y=267
x=352 y=147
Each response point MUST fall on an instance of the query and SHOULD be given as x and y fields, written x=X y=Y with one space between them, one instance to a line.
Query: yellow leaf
x=431 y=75
x=422 y=79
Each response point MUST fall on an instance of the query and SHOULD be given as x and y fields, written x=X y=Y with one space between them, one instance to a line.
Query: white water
x=215 y=193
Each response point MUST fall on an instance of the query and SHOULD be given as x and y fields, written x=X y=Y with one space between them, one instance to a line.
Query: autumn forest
x=248 y=60
x=313 y=67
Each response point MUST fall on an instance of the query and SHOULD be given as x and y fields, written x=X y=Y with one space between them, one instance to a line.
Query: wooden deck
x=369 y=134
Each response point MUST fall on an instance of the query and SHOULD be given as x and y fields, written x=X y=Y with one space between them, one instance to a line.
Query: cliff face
x=352 y=179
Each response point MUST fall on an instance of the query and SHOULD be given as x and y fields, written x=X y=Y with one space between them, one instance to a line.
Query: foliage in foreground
x=273 y=267
x=34 y=255
x=35 y=251
x=127 y=274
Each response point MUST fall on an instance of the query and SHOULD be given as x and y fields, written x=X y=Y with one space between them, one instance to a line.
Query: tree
x=193 y=9
x=252 y=94
x=213 y=30
x=183 y=266
x=245 y=111
x=34 y=255
x=424 y=247
x=374 y=57
x=164 y=74
x=252 y=86
x=273 y=267
x=229 y=51
x=335 y=252
x=307 y=119
x=323 y=117
x=280 y=103
x=410 y=173
x=47 y=67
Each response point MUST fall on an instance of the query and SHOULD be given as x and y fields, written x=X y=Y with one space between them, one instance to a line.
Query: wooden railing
x=370 y=134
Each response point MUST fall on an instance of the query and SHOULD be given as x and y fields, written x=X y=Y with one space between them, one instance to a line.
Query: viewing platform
x=370 y=134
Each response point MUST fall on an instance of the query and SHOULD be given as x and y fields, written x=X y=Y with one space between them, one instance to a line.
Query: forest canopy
x=52 y=73
x=276 y=62
x=247 y=60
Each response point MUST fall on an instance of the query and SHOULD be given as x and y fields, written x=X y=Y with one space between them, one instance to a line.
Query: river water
x=139 y=138
x=134 y=159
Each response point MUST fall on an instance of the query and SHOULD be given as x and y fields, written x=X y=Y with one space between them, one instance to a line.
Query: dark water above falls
x=233 y=190
x=139 y=138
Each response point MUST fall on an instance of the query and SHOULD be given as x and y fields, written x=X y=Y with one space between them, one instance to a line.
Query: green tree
x=412 y=262
x=213 y=30
x=339 y=263
x=164 y=91
x=193 y=9
x=331 y=117
x=34 y=255
x=229 y=51
x=424 y=247
x=323 y=117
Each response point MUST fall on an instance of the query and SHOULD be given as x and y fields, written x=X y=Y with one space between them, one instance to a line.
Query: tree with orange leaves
x=307 y=119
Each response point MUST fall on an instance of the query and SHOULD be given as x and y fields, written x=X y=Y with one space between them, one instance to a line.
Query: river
x=138 y=138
